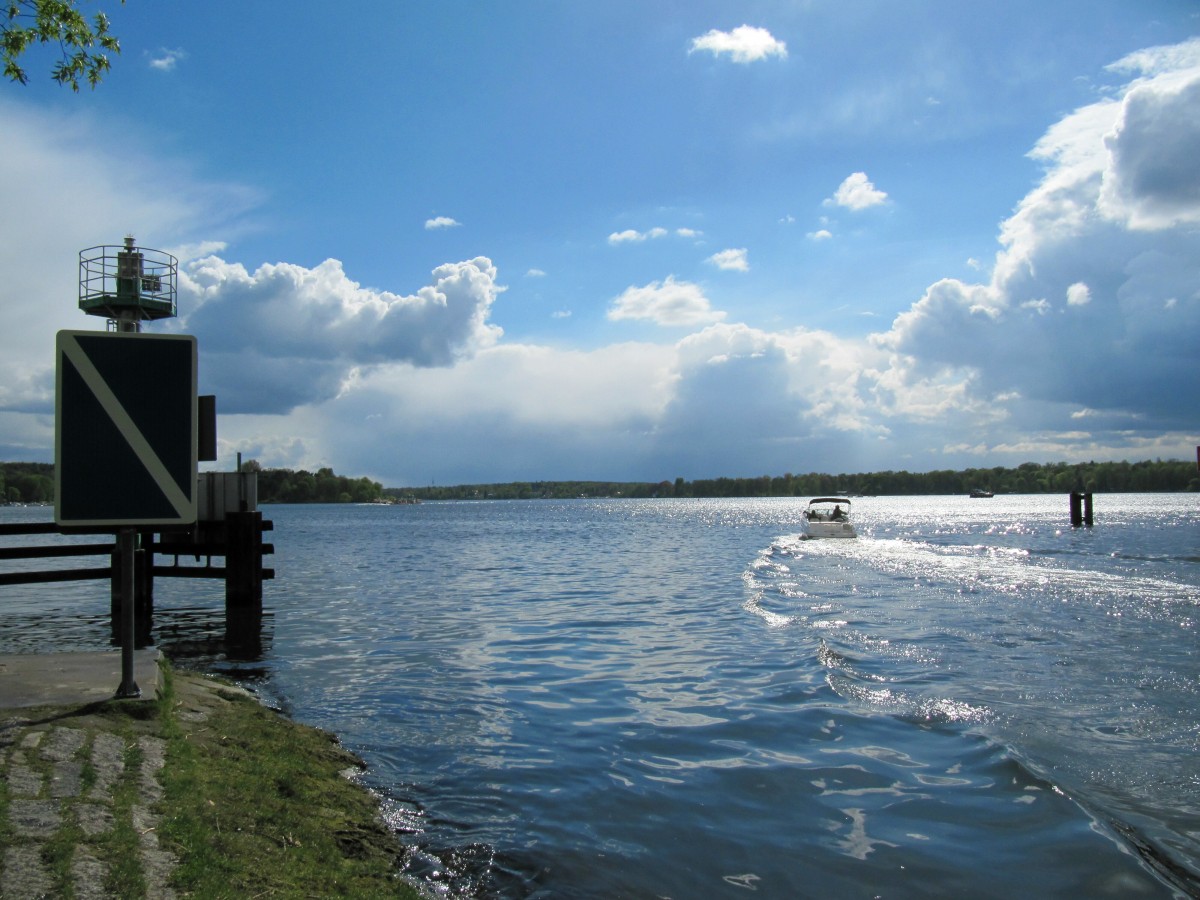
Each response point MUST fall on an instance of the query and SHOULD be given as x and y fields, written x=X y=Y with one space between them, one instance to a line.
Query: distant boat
x=981 y=494
x=828 y=517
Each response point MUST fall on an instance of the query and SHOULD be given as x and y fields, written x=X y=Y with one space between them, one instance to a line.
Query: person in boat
x=838 y=515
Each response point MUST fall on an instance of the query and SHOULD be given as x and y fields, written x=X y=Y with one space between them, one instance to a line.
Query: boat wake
x=1069 y=657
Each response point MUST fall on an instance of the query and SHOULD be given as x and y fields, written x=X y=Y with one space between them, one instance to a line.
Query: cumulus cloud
x=287 y=323
x=78 y=182
x=856 y=193
x=632 y=236
x=1078 y=294
x=765 y=399
x=668 y=302
x=1061 y=350
x=512 y=411
x=626 y=236
x=165 y=60
x=731 y=260
x=441 y=222
x=1093 y=301
x=1152 y=180
x=744 y=44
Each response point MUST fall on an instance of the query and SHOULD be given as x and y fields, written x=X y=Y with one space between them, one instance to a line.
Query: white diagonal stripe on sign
x=141 y=447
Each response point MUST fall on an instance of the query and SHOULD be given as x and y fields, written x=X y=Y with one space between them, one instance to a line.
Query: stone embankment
x=71 y=793
x=196 y=790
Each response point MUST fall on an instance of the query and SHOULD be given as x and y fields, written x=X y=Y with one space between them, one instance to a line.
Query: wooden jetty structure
x=236 y=538
x=129 y=432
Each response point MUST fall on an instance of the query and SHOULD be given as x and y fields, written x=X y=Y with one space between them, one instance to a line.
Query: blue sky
x=452 y=242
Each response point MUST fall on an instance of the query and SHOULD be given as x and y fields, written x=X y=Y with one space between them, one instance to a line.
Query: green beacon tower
x=127 y=285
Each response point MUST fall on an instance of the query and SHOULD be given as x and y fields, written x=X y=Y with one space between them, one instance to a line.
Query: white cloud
x=1117 y=255
x=857 y=192
x=409 y=386
x=1078 y=294
x=535 y=273
x=165 y=60
x=669 y=302
x=624 y=237
x=510 y=412
x=77 y=182
x=441 y=222
x=1152 y=180
x=731 y=260
x=760 y=397
x=285 y=335
x=821 y=234
x=745 y=44
x=631 y=236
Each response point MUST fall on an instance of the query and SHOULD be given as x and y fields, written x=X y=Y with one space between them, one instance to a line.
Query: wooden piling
x=243 y=560
x=1081 y=509
x=143 y=576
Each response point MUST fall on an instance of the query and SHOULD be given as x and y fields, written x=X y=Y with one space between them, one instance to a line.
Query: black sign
x=125 y=429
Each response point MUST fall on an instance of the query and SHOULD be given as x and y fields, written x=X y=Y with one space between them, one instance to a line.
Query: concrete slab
x=72 y=679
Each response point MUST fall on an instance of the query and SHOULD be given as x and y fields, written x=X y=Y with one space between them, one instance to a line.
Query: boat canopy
x=828 y=500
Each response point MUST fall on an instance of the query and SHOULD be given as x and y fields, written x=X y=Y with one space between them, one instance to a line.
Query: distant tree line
x=34 y=483
x=26 y=482
x=301 y=486
x=1028 y=478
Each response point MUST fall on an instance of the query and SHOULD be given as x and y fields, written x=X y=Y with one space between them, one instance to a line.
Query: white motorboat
x=828 y=517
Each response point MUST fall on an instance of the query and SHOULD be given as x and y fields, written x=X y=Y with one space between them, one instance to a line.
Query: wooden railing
x=237 y=539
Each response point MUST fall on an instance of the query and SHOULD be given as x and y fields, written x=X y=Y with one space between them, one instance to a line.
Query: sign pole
x=126 y=538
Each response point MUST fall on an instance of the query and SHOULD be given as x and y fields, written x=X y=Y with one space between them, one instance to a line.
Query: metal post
x=126 y=538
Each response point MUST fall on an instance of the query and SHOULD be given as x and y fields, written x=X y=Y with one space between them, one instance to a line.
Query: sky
x=451 y=242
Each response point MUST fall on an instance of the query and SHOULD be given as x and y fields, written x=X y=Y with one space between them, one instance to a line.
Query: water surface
x=683 y=698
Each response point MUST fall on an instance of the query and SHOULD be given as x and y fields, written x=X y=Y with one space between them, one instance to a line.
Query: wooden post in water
x=144 y=574
x=243 y=560
x=1081 y=509
x=115 y=588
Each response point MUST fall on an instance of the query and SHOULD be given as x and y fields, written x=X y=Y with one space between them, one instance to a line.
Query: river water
x=682 y=698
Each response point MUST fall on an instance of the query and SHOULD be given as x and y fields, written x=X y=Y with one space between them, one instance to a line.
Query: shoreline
x=201 y=790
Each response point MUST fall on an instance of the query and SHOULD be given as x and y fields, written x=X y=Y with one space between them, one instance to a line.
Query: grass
x=257 y=805
x=253 y=804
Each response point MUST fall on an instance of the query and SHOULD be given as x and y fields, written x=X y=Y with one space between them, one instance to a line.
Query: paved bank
x=53 y=809
x=76 y=780
x=145 y=798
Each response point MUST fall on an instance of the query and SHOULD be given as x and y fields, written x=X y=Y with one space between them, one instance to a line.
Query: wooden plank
x=188 y=571
x=45 y=552
x=56 y=575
